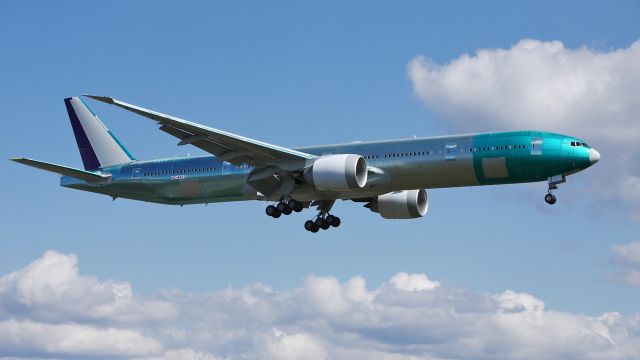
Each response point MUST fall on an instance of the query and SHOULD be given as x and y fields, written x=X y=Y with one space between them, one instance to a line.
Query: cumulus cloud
x=64 y=340
x=407 y=317
x=51 y=289
x=627 y=257
x=413 y=282
x=546 y=86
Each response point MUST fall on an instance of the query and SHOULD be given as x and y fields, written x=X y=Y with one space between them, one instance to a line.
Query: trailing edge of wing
x=63 y=170
x=231 y=147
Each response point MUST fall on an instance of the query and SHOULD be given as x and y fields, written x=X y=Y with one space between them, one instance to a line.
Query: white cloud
x=627 y=254
x=278 y=345
x=51 y=289
x=546 y=86
x=627 y=257
x=413 y=282
x=183 y=354
x=73 y=340
x=408 y=317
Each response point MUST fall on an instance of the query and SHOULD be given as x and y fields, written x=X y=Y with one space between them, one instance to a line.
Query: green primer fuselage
x=435 y=162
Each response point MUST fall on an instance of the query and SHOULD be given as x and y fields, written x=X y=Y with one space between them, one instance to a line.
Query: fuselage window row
x=419 y=153
x=184 y=171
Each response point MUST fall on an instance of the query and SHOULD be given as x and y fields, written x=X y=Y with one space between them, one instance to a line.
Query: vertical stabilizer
x=98 y=146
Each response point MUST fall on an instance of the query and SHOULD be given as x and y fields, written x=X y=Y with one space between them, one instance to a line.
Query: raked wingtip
x=104 y=99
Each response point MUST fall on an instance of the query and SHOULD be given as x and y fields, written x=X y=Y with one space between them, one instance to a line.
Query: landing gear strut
x=554 y=181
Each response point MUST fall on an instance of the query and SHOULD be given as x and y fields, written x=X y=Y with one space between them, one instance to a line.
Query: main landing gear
x=323 y=220
x=554 y=181
x=284 y=208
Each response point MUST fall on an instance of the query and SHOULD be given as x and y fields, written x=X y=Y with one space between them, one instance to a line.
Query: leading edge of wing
x=219 y=136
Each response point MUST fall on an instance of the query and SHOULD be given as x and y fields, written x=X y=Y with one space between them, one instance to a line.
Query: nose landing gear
x=550 y=199
x=554 y=181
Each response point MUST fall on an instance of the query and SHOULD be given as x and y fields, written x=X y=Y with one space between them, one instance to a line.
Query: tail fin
x=98 y=146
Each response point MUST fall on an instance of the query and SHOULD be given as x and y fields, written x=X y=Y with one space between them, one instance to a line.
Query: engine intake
x=338 y=173
x=405 y=204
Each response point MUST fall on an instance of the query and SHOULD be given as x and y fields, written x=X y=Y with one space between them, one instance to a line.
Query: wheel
x=336 y=222
x=287 y=211
x=276 y=214
x=309 y=225
x=550 y=199
x=314 y=229
x=322 y=223
x=270 y=210
x=296 y=205
x=331 y=219
x=282 y=207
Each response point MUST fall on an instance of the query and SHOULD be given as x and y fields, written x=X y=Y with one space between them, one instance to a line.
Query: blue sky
x=293 y=74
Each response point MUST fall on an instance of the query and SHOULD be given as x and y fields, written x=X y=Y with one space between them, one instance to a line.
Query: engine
x=405 y=204
x=338 y=173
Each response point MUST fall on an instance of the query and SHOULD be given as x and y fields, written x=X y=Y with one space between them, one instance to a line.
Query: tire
x=336 y=222
x=276 y=214
x=550 y=199
x=297 y=206
x=287 y=211
x=282 y=207
x=270 y=210
x=309 y=225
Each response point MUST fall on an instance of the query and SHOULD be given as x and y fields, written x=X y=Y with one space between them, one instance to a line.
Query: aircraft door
x=536 y=146
x=450 y=151
x=136 y=173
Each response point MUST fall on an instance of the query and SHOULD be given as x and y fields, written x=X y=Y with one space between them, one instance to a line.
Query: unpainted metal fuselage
x=436 y=162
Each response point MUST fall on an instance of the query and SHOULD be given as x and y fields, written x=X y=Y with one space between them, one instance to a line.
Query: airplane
x=390 y=177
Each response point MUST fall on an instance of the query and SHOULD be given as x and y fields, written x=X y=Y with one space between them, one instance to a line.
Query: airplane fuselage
x=435 y=162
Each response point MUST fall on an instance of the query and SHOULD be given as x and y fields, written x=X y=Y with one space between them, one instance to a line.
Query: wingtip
x=104 y=99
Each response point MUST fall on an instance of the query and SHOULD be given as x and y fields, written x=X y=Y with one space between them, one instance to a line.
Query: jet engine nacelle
x=341 y=172
x=405 y=204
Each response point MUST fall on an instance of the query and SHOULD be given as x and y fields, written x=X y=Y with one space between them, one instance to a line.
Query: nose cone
x=594 y=156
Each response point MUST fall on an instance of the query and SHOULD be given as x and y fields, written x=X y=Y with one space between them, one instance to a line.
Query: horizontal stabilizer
x=64 y=170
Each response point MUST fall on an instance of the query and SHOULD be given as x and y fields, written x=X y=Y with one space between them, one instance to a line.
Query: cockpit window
x=578 y=143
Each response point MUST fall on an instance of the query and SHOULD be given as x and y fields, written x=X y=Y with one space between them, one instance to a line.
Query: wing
x=226 y=146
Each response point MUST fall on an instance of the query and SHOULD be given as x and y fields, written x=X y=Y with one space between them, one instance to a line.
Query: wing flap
x=63 y=170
